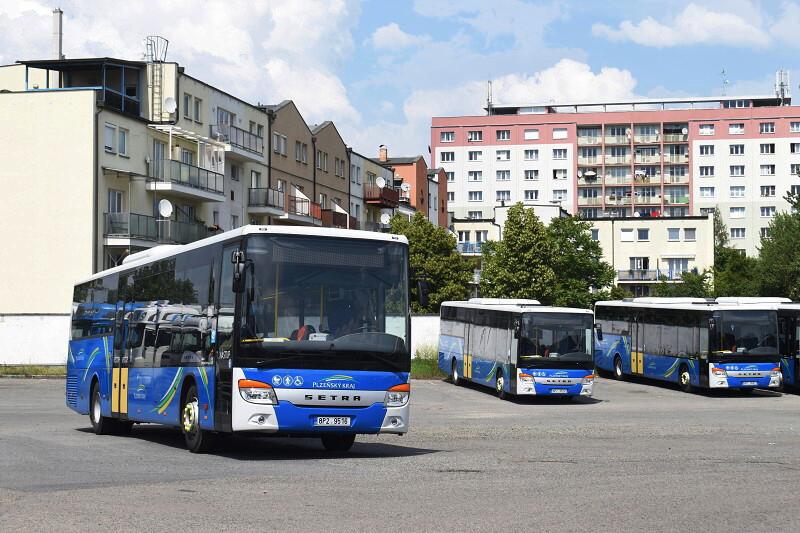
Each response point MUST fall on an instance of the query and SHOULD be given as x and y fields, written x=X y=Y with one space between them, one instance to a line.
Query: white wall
x=424 y=330
x=34 y=339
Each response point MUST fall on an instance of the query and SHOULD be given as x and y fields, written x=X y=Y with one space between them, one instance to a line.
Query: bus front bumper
x=745 y=376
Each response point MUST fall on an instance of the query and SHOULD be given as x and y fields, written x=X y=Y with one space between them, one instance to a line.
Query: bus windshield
x=749 y=332
x=315 y=302
x=563 y=336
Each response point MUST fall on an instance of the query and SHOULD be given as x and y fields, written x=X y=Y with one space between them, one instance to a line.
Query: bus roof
x=698 y=304
x=513 y=306
x=164 y=251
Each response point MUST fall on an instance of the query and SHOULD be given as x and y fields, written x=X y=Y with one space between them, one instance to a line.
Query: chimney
x=383 y=153
x=58 y=34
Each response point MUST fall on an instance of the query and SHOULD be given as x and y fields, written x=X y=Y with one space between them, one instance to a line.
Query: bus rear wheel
x=338 y=442
x=454 y=373
x=618 y=372
x=499 y=385
x=685 y=379
x=102 y=425
x=197 y=439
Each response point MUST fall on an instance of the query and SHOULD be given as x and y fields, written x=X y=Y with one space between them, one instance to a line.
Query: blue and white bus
x=789 y=328
x=694 y=342
x=275 y=330
x=517 y=347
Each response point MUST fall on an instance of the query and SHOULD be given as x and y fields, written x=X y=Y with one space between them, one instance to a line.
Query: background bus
x=517 y=346
x=271 y=329
x=789 y=328
x=727 y=343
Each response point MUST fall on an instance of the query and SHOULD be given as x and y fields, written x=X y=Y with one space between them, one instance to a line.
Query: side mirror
x=598 y=329
x=517 y=329
x=239 y=265
x=423 y=289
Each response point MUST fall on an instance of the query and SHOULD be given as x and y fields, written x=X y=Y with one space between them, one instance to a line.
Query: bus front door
x=637 y=347
x=121 y=362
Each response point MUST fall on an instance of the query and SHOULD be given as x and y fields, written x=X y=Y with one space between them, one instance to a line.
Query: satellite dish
x=685 y=131
x=590 y=173
x=385 y=218
x=580 y=173
x=165 y=208
x=170 y=104
x=637 y=214
x=405 y=187
x=628 y=132
x=380 y=181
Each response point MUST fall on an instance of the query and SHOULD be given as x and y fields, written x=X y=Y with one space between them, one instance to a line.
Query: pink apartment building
x=644 y=158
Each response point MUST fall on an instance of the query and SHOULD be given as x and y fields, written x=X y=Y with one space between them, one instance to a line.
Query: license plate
x=332 y=421
x=558 y=391
x=749 y=383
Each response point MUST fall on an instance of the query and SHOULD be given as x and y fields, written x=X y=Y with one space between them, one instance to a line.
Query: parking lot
x=637 y=456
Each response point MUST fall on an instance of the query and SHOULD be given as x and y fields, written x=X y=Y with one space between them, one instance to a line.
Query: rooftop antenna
x=782 y=90
x=489 y=97
x=725 y=82
x=155 y=48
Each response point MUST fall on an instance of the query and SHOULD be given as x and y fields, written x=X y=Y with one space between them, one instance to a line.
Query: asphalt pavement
x=636 y=457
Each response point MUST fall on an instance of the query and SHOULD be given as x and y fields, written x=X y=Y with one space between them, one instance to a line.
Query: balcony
x=592 y=181
x=618 y=160
x=589 y=140
x=617 y=139
x=334 y=219
x=381 y=196
x=588 y=160
x=375 y=226
x=648 y=200
x=676 y=200
x=469 y=248
x=640 y=179
x=122 y=228
x=589 y=200
x=649 y=275
x=648 y=138
x=183 y=179
x=676 y=180
x=266 y=201
x=675 y=138
x=618 y=180
x=239 y=142
x=644 y=159
x=618 y=200
x=679 y=159
x=302 y=211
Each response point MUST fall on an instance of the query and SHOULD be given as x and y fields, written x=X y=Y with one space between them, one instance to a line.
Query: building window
x=503 y=155
x=642 y=234
x=707 y=192
x=559 y=153
x=531 y=155
x=475 y=175
x=234 y=173
x=559 y=173
x=187 y=105
x=706 y=129
x=707 y=171
x=281 y=186
x=481 y=235
x=531 y=194
x=737 y=170
x=736 y=129
x=503 y=196
x=447 y=136
x=532 y=174
x=234 y=221
x=764 y=232
x=187 y=156
x=737 y=212
x=278 y=143
x=475 y=136
x=795 y=148
x=738 y=233
x=503 y=175
x=559 y=133
x=198 y=110
x=123 y=142
x=767 y=127
x=705 y=211
x=559 y=195
x=110 y=135
x=795 y=169
x=595 y=234
x=475 y=196
x=451 y=196
x=737 y=191
x=767 y=170
x=464 y=235
x=706 y=149
x=115 y=201
x=768 y=211
x=767 y=191
x=794 y=127
x=255 y=179
x=474 y=155
x=689 y=234
x=448 y=157
x=673 y=234
x=533 y=135
x=503 y=135
x=737 y=149
x=298 y=150
x=451 y=176
x=626 y=235
x=475 y=215
x=767 y=148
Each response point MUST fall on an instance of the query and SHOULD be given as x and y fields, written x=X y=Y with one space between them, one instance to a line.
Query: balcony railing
x=333 y=219
x=295 y=205
x=169 y=170
x=617 y=200
x=676 y=179
x=266 y=198
x=239 y=138
x=589 y=180
x=588 y=160
x=618 y=139
x=375 y=226
x=648 y=200
x=680 y=159
x=654 y=179
x=684 y=200
x=675 y=137
x=589 y=200
x=147 y=228
x=649 y=275
x=618 y=180
x=386 y=196
x=618 y=160
x=589 y=139
x=642 y=158
x=646 y=138
x=469 y=247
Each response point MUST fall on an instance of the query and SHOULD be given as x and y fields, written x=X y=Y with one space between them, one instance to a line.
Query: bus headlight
x=720 y=372
x=588 y=380
x=257 y=392
x=527 y=379
x=776 y=372
x=398 y=395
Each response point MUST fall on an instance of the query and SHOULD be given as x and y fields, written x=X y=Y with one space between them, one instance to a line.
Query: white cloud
x=695 y=24
x=391 y=37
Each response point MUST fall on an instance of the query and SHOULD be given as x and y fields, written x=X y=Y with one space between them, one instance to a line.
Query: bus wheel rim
x=684 y=377
x=95 y=408
x=499 y=383
x=190 y=417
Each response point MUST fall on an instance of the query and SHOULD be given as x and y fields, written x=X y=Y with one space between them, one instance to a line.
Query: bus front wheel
x=454 y=373
x=341 y=442
x=499 y=385
x=685 y=379
x=102 y=425
x=197 y=439
x=618 y=372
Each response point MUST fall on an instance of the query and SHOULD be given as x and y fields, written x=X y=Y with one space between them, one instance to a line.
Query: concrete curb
x=34 y=377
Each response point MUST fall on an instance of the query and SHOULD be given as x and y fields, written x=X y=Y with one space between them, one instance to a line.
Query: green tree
x=433 y=258
x=578 y=262
x=691 y=285
x=519 y=265
x=735 y=274
x=779 y=265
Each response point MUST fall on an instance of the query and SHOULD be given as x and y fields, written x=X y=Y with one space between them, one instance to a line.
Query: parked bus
x=694 y=342
x=264 y=329
x=789 y=342
x=517 y=347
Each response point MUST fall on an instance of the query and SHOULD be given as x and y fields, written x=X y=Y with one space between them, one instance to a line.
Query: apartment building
x=648 y=158
x=379 y=197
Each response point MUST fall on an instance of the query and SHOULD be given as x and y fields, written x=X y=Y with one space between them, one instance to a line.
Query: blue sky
x=381 y=69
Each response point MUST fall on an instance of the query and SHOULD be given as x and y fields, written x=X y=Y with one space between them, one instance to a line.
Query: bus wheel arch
x=619 y=373
x=197 y=439
x=500 y=383
x=684 y=378
x=454 y=372
x=101 y=425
